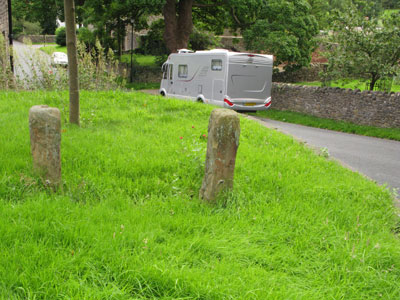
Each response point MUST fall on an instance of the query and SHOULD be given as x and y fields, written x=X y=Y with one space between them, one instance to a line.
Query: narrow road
x=377 y=158
x=28 y=59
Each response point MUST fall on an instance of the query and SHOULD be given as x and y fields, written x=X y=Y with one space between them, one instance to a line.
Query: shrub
x=153 y=42
x=97 y=71
x=7 y=79
x=61 y=36
x=203 y=40
x=87 y=37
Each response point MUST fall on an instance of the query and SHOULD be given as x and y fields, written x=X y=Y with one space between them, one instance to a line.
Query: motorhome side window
x=171 y=68
x=164 y=69
x=182 y=71
x=216 y=64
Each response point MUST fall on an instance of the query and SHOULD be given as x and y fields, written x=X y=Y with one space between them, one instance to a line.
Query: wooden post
x=70 y=27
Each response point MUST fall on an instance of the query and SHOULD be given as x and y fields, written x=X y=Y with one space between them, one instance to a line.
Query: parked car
x=59 y=59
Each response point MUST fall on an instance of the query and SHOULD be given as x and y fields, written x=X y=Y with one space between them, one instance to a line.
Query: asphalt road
x=27 y=58
x=379 y=159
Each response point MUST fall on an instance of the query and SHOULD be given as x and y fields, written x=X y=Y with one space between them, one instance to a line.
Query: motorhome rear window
x=182 y=71
x=216 y=64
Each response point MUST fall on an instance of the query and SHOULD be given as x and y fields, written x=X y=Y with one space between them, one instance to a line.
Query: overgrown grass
x=143 y=85
x=346 y=84
x=389 y=12
x=53 y=48
x=128 y=223
x=308 y=120
x=142 y=60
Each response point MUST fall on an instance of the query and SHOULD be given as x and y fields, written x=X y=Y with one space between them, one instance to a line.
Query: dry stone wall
x=4 y=19
x=365 y=108
x=38 y=38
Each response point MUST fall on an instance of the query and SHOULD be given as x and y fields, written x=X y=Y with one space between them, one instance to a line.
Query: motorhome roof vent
x=185 y=51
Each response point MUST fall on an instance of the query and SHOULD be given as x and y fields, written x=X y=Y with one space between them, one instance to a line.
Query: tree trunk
x=177 y=27
x=185 y=23
x=169 y=12
x=69 y=8
x=374 y=79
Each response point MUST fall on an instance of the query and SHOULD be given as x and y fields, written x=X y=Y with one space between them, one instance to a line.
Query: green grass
x=308 y=120
x=388 y=12
x=128 y=223
x=54 y=48
x=346 y=84
x=47 y=44
x=143 y=85
x=142 y=60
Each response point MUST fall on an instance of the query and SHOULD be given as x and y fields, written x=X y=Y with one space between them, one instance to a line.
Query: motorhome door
x=218 y=86
x=170 y=79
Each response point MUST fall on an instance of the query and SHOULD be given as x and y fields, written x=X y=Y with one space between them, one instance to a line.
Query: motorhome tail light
x=268 y=104
x=228 y=102
x=250 y=55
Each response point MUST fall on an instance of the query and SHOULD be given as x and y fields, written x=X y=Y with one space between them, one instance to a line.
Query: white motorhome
x=240 y=81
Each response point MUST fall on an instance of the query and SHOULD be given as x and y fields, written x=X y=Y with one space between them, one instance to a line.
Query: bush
x=61 y=36
x=203 y=40
x=153 y=42
x=97 y=71
x=7 y=79
x=25 y=27
x=87 y=37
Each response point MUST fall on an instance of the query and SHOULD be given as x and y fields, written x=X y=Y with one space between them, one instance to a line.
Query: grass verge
x=346 y=84
x=142 y=60
x=53 y=48
x=128 y=223
x=143 y=85
x=308 y=120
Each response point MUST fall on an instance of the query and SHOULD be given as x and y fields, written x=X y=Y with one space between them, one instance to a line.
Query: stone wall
x=4 y=20
x=365 y=108
x=38 y=38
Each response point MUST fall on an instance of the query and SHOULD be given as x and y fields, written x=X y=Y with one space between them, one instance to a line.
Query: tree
x=178 y=23
x=69 y=8
x=45 y=12
x=285 y=29
x=364 y=48
x=111 y=17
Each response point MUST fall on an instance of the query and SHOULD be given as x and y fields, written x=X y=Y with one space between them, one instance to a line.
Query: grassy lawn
x=54 y=48
x=128 y=223
x=347 y=84
x=388 y=12
x=142 y=60
x=308 y=120
x=143 y=85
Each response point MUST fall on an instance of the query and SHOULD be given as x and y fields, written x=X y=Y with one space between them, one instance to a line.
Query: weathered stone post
x=223 y=141
x=45 y=132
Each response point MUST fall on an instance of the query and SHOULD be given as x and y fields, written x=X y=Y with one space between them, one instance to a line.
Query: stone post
x=45 y=133
x=223 y=141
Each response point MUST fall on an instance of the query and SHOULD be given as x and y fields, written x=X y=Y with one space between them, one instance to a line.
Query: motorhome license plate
x=250 y=104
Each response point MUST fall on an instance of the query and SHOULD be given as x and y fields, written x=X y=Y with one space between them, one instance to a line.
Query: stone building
x=4 y=25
